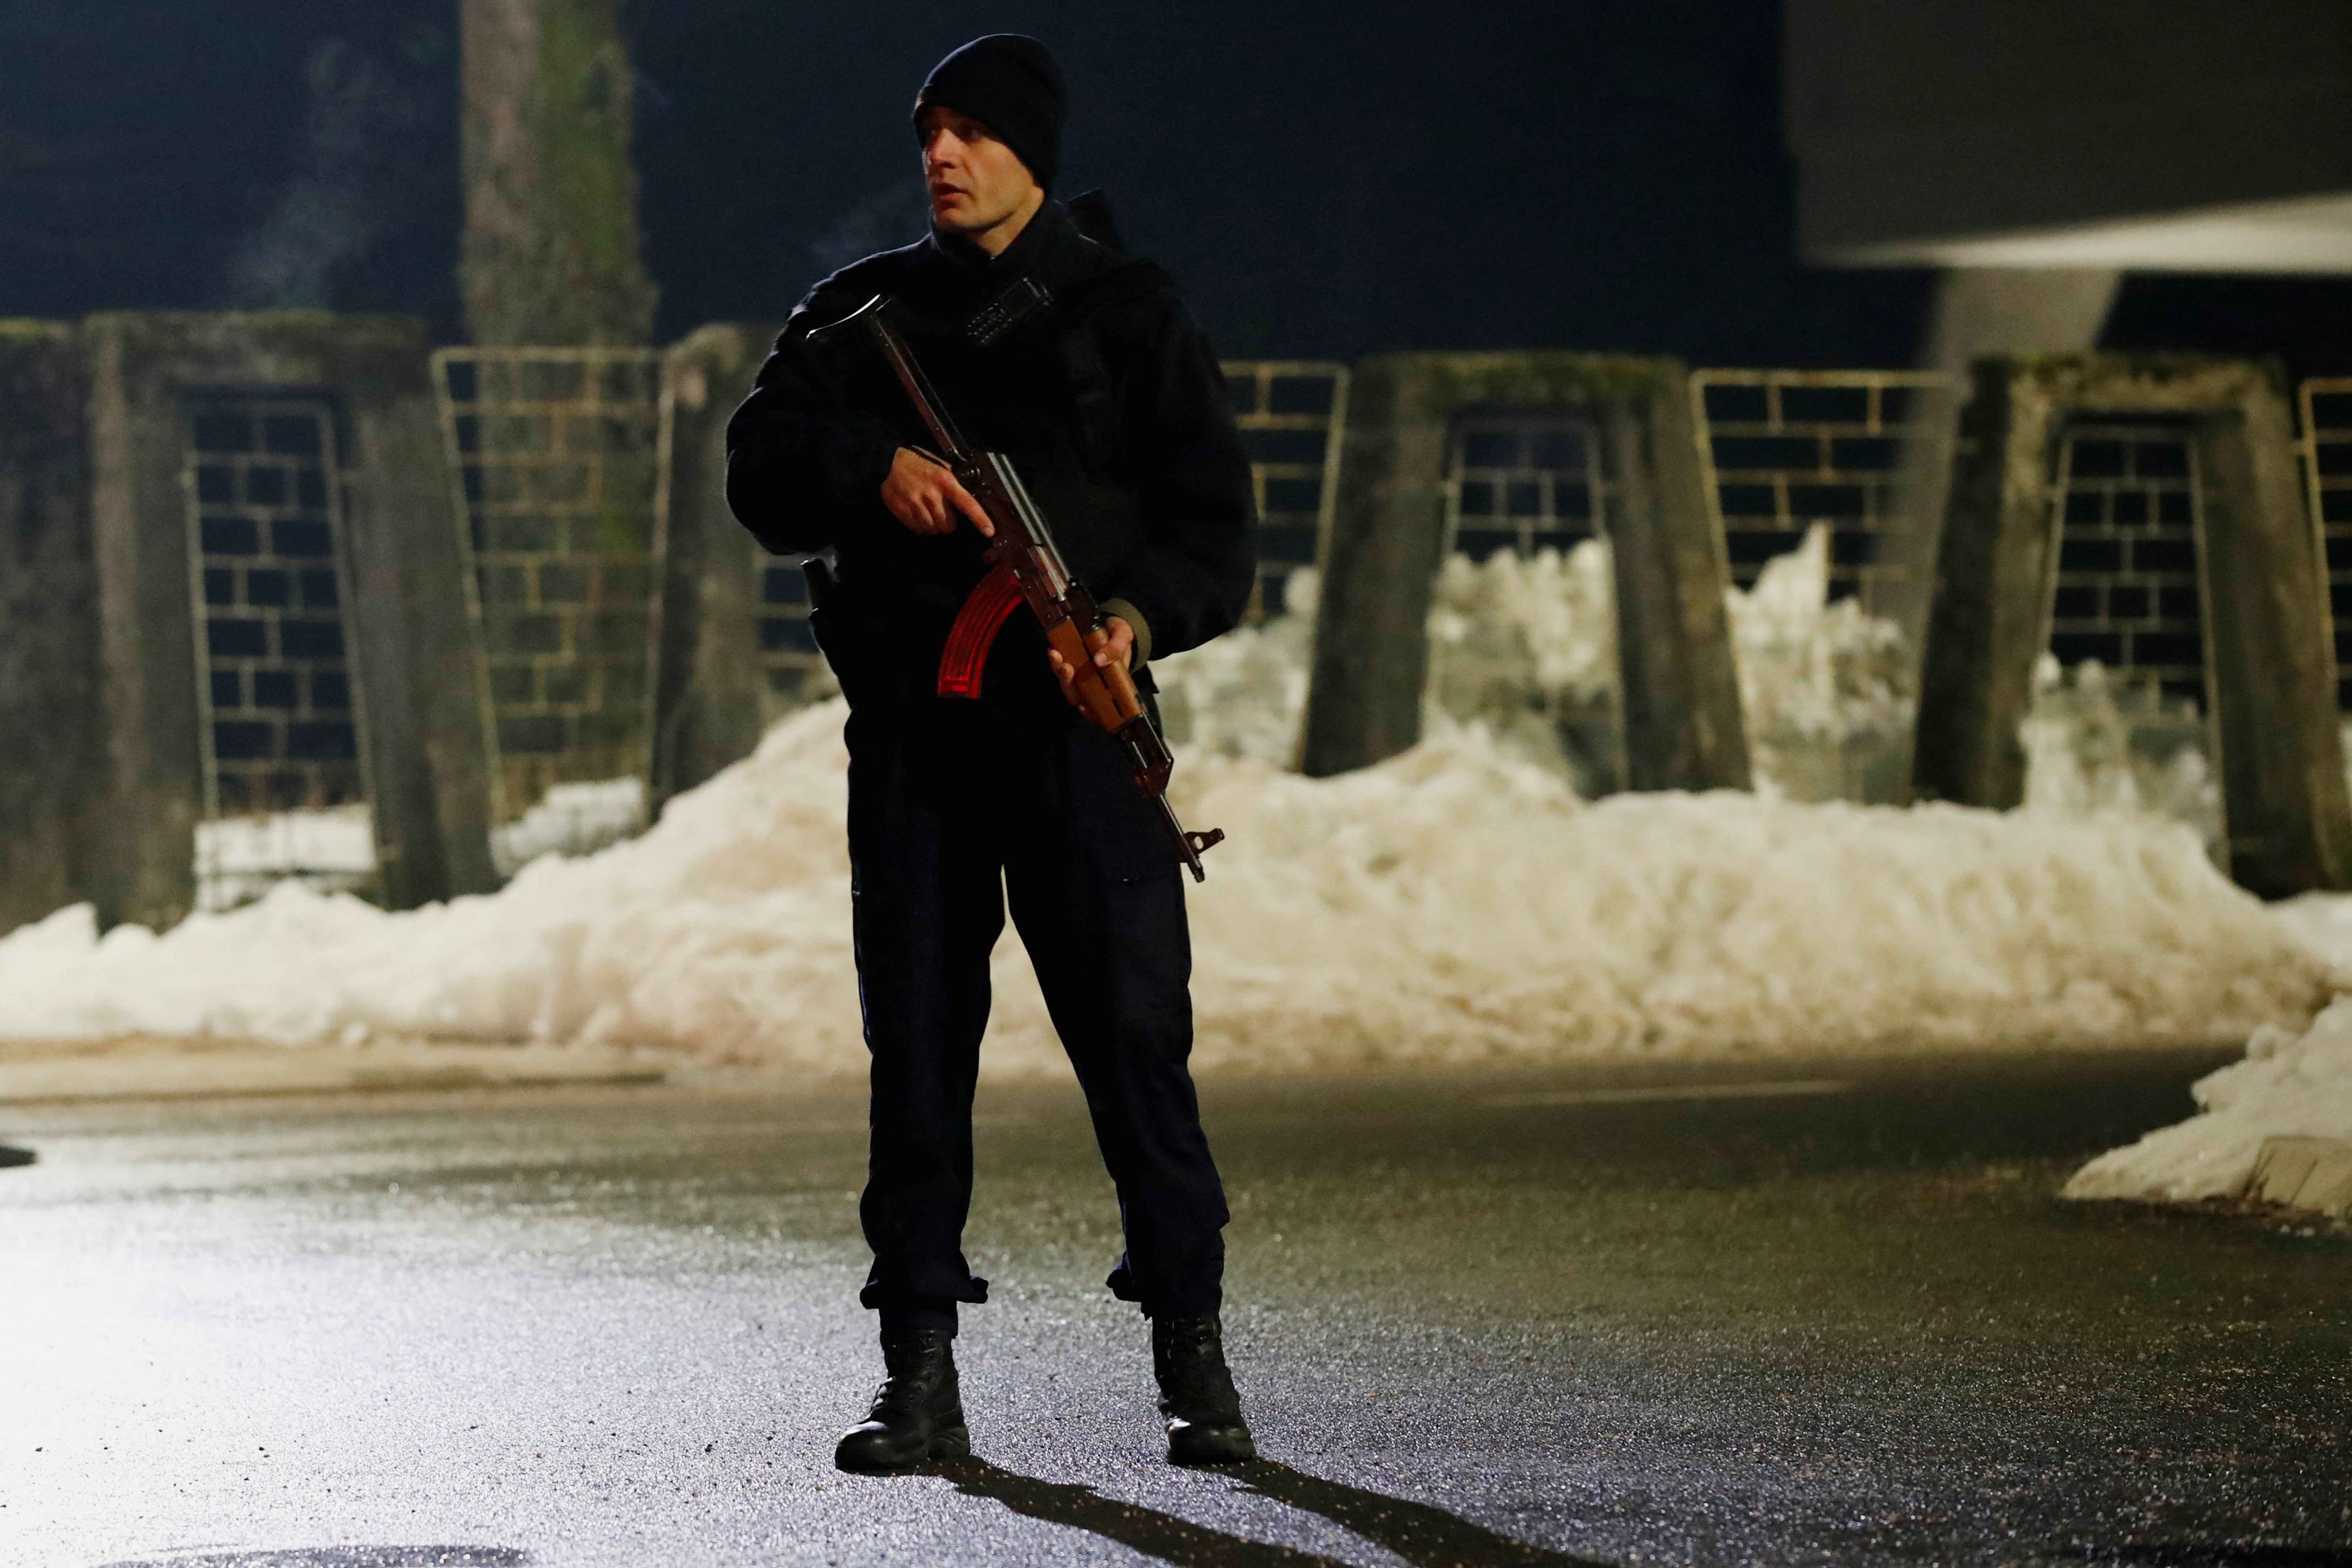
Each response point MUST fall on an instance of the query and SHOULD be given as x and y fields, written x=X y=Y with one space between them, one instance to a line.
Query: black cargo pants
x=957 y=808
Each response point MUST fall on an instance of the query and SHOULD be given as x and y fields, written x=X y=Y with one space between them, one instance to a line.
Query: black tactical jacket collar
x=1049 y=248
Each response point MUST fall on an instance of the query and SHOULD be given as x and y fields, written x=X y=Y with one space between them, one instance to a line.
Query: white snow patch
x=2323 y=922
x=239 y=858
x=2289 y=1085
x=1827 y=689
x=571 y=819
x=2095 y=742
x=1525 y=650
x=1454 y=904
x=1244 y=694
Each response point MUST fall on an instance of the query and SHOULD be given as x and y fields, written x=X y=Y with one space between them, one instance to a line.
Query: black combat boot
x=1196 y=1393
x=918 y=1411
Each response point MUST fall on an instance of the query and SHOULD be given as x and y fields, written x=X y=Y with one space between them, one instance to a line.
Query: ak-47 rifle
x=1024 y=564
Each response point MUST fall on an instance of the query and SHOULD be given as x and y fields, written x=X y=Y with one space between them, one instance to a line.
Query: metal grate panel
x=2326 y=410
x=1781 y=450
x=1520 y=482
x=266 y=550
x=555 y=454
x=1527 y=480
x=2127 y=588
x=280 y=737
x=1293 y=415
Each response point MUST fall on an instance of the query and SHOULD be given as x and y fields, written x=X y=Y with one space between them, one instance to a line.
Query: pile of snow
x=1827 y=689
x=571 y=819
x=1244 y=694
x=2291 y=1084
x=239 y=858
x=2097 y=742
x=1454 y=904
x=1525 y=649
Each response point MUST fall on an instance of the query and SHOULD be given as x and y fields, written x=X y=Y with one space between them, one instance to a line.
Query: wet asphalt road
x=1633 y=1313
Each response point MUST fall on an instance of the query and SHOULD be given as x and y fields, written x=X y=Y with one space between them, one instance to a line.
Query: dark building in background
x=2183 y=135
x=2142 y=513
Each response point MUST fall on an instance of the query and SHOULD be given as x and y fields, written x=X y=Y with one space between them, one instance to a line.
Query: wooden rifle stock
x=1026 y=566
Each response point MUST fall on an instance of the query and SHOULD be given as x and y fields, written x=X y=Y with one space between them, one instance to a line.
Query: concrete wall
x=2264 y=601
x=426 y=782
x=708 y=682
x=52 y=783
x=1681 y=691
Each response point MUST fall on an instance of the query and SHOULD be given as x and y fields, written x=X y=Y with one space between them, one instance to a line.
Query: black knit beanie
x=1010 y=84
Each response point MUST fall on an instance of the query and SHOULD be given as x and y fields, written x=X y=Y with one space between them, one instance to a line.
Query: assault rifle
x=1023 y=566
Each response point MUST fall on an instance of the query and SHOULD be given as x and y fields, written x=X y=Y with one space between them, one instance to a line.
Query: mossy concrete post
x=52 y=786
x=551 y=255
x=1684 y=725
x=1681 y=690
x=426 y=784
x=708 y=696
x=2264 y=608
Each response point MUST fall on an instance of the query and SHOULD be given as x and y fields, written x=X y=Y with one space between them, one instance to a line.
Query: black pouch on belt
x=850 y=644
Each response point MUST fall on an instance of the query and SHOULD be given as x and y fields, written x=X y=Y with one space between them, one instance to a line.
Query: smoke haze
x=350 y=186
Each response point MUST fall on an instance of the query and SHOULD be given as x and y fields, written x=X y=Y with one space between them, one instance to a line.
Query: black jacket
x=1109 y=400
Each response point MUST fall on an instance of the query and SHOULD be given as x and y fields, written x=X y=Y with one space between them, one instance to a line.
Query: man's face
x=974 y=180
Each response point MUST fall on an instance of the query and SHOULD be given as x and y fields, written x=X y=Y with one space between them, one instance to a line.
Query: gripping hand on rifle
x=924 y=493
x=1113 y=643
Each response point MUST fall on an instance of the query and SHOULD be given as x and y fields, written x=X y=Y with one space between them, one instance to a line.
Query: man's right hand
x=923 y=493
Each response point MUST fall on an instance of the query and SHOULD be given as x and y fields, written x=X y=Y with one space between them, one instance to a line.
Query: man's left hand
x=1119 y=646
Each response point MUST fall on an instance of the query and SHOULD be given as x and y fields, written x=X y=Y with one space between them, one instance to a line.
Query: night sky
x=1325 y=179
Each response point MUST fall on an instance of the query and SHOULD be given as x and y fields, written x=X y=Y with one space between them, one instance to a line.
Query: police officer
x=1083 y=367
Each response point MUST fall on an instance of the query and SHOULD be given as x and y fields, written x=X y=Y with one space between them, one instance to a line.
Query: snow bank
x=2095 y=741
x=1527 y=648
x=1827 y=690
x=1244 y=694
x=1454 y=904
x=238 y=858
x=2289 y=1084
x=725 y=928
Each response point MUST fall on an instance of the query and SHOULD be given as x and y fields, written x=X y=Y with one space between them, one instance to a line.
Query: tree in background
x=551 y=254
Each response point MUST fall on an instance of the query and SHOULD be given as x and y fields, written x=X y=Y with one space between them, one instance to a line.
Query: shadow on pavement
x=2216 y=1555
x=1426 y=1536
x=1419 y=1533
x=347 y=1557
x=1147 y=1529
